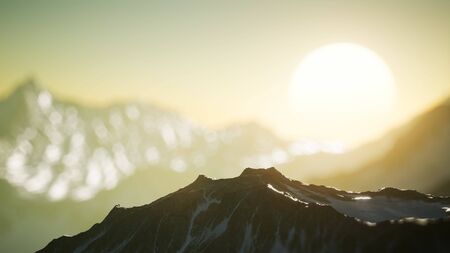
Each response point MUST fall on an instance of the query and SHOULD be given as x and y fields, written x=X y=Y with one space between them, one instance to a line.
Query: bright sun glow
x=342 y=83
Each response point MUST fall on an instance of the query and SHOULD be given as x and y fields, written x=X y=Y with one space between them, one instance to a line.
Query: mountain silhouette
x=263 y=211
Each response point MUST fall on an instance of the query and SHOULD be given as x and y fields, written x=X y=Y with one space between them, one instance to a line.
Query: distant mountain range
x=263 y=211
x=418 y=159
x=62 y=149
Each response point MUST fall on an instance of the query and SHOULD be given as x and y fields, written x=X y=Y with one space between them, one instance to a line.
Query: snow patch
x=202 y=207
x=362 y=198
x=286 y=194
x=373 y=209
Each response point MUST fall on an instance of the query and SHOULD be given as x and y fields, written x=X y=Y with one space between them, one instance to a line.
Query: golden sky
x=221 y=62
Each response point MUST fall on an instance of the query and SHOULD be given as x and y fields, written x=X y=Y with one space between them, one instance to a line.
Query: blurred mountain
x=419 y=158
x=263 y=211
x=63 y=149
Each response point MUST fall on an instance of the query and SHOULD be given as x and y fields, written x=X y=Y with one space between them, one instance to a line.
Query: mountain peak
x=271 y=172
x=231 y=215
x=27 y=86
x=202 y=179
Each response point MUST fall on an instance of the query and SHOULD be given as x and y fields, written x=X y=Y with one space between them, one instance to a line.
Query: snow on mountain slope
x=263 y=211
x=386 y=204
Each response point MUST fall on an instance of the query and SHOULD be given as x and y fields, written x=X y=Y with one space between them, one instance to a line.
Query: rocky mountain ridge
x=263 y=211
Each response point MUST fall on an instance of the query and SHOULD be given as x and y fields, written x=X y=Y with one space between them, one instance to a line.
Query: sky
x=223 y=62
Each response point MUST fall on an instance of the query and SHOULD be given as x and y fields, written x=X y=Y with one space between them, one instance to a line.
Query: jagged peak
x=202 y=179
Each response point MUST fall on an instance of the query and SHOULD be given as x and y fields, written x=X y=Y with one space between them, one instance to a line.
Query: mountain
x=59 y=149
x=418 y=159
x=263 y=211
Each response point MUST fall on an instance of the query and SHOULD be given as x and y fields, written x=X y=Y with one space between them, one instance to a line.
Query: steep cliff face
x=263 y=211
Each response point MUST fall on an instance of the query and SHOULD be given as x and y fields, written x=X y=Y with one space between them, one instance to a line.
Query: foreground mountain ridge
x=263 y=211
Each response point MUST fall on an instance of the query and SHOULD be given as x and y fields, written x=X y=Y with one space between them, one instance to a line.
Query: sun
x=340 y=84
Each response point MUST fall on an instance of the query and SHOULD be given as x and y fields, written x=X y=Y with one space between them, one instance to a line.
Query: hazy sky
x=218 y=62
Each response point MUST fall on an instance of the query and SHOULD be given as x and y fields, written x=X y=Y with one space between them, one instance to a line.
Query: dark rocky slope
x=263 y=211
